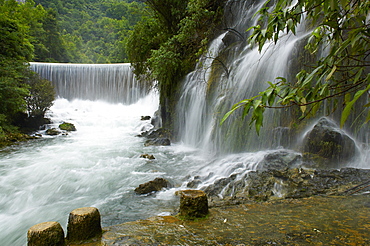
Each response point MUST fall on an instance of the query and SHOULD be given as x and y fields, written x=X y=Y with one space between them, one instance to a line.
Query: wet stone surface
x=319 y=220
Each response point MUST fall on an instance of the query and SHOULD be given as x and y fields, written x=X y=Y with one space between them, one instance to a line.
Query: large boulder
x=327 y=146
x=152 y=186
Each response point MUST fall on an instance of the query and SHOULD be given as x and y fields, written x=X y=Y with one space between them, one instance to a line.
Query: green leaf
x=247 y=107
x=309 y=78
x=331 y=73
x=349 y=105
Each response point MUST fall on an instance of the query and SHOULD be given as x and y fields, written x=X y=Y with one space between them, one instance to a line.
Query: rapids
x=98 y=165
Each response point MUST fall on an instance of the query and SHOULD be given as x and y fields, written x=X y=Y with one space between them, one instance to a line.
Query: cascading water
x=231 y=71
x=113 y=83
x=99 y=164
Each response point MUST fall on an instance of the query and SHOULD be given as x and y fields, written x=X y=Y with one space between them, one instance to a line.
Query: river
x=98 y=165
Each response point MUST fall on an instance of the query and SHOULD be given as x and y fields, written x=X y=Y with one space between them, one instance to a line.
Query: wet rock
x=52 y=132
x=193 y=204
x=156 y=133
x=194 y=183
x=156 y=120
x=46 y=234
x=327 y=144
x=281 y=159
x=159 y=133
x=65 y=126
x=147 y=156
x=145 y=117
x=152 y=186
x=263 y=185
x=157 y=142
x=83 y=223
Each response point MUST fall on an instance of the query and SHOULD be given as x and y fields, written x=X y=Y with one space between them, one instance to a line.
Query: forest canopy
x=90 y=31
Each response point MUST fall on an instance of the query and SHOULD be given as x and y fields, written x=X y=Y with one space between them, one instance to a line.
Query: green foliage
x=342 y=28
x=41 y=95
x=21 y=32
x=90 y=31
x=165 y=45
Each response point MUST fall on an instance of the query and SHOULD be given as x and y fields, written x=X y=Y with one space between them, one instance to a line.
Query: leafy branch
x=340 y=27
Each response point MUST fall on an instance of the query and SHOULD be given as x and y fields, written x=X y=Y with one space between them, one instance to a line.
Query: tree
x=17 y=82
x=165 y=45
x=340 y=26
x=41 y=95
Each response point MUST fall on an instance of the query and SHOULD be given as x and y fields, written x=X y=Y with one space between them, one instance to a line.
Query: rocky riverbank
x=333 y=209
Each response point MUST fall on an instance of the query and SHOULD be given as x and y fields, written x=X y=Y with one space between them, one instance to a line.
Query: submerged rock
x=145 y=117
x=53 y=132
x=327 y=144
x=147 y=156
x=67 y=127
x=152 y=186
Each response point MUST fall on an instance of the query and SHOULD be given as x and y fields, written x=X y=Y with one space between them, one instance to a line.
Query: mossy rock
x=46 y=234
x=152 y=186
x=328 y=141
x=67 y=127
x=193 y=204
x=52 y=132
x=83 y=223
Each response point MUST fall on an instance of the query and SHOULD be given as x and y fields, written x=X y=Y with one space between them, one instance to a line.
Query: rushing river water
x=98 y=165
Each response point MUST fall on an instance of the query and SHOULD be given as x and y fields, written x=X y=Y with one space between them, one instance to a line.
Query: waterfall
x=113 y=83
x=232 y=71
x=236 y=72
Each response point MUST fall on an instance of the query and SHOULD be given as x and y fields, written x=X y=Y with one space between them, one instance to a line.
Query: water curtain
x=114 y=83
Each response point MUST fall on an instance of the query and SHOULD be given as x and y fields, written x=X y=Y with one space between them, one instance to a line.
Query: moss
x=8 y=139
x=67 y=127
x=195 y=219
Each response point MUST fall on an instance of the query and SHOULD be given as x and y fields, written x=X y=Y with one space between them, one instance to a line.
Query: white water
x=99 y=165
x=114 y=83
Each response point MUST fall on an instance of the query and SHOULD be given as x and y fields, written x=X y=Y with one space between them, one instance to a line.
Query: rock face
x=157 y=142
x=67 y=127
x=152 y=186
x=158 y=137
x=328 y=143
x=83 y=223
x=193 y=204
x=46 y=234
